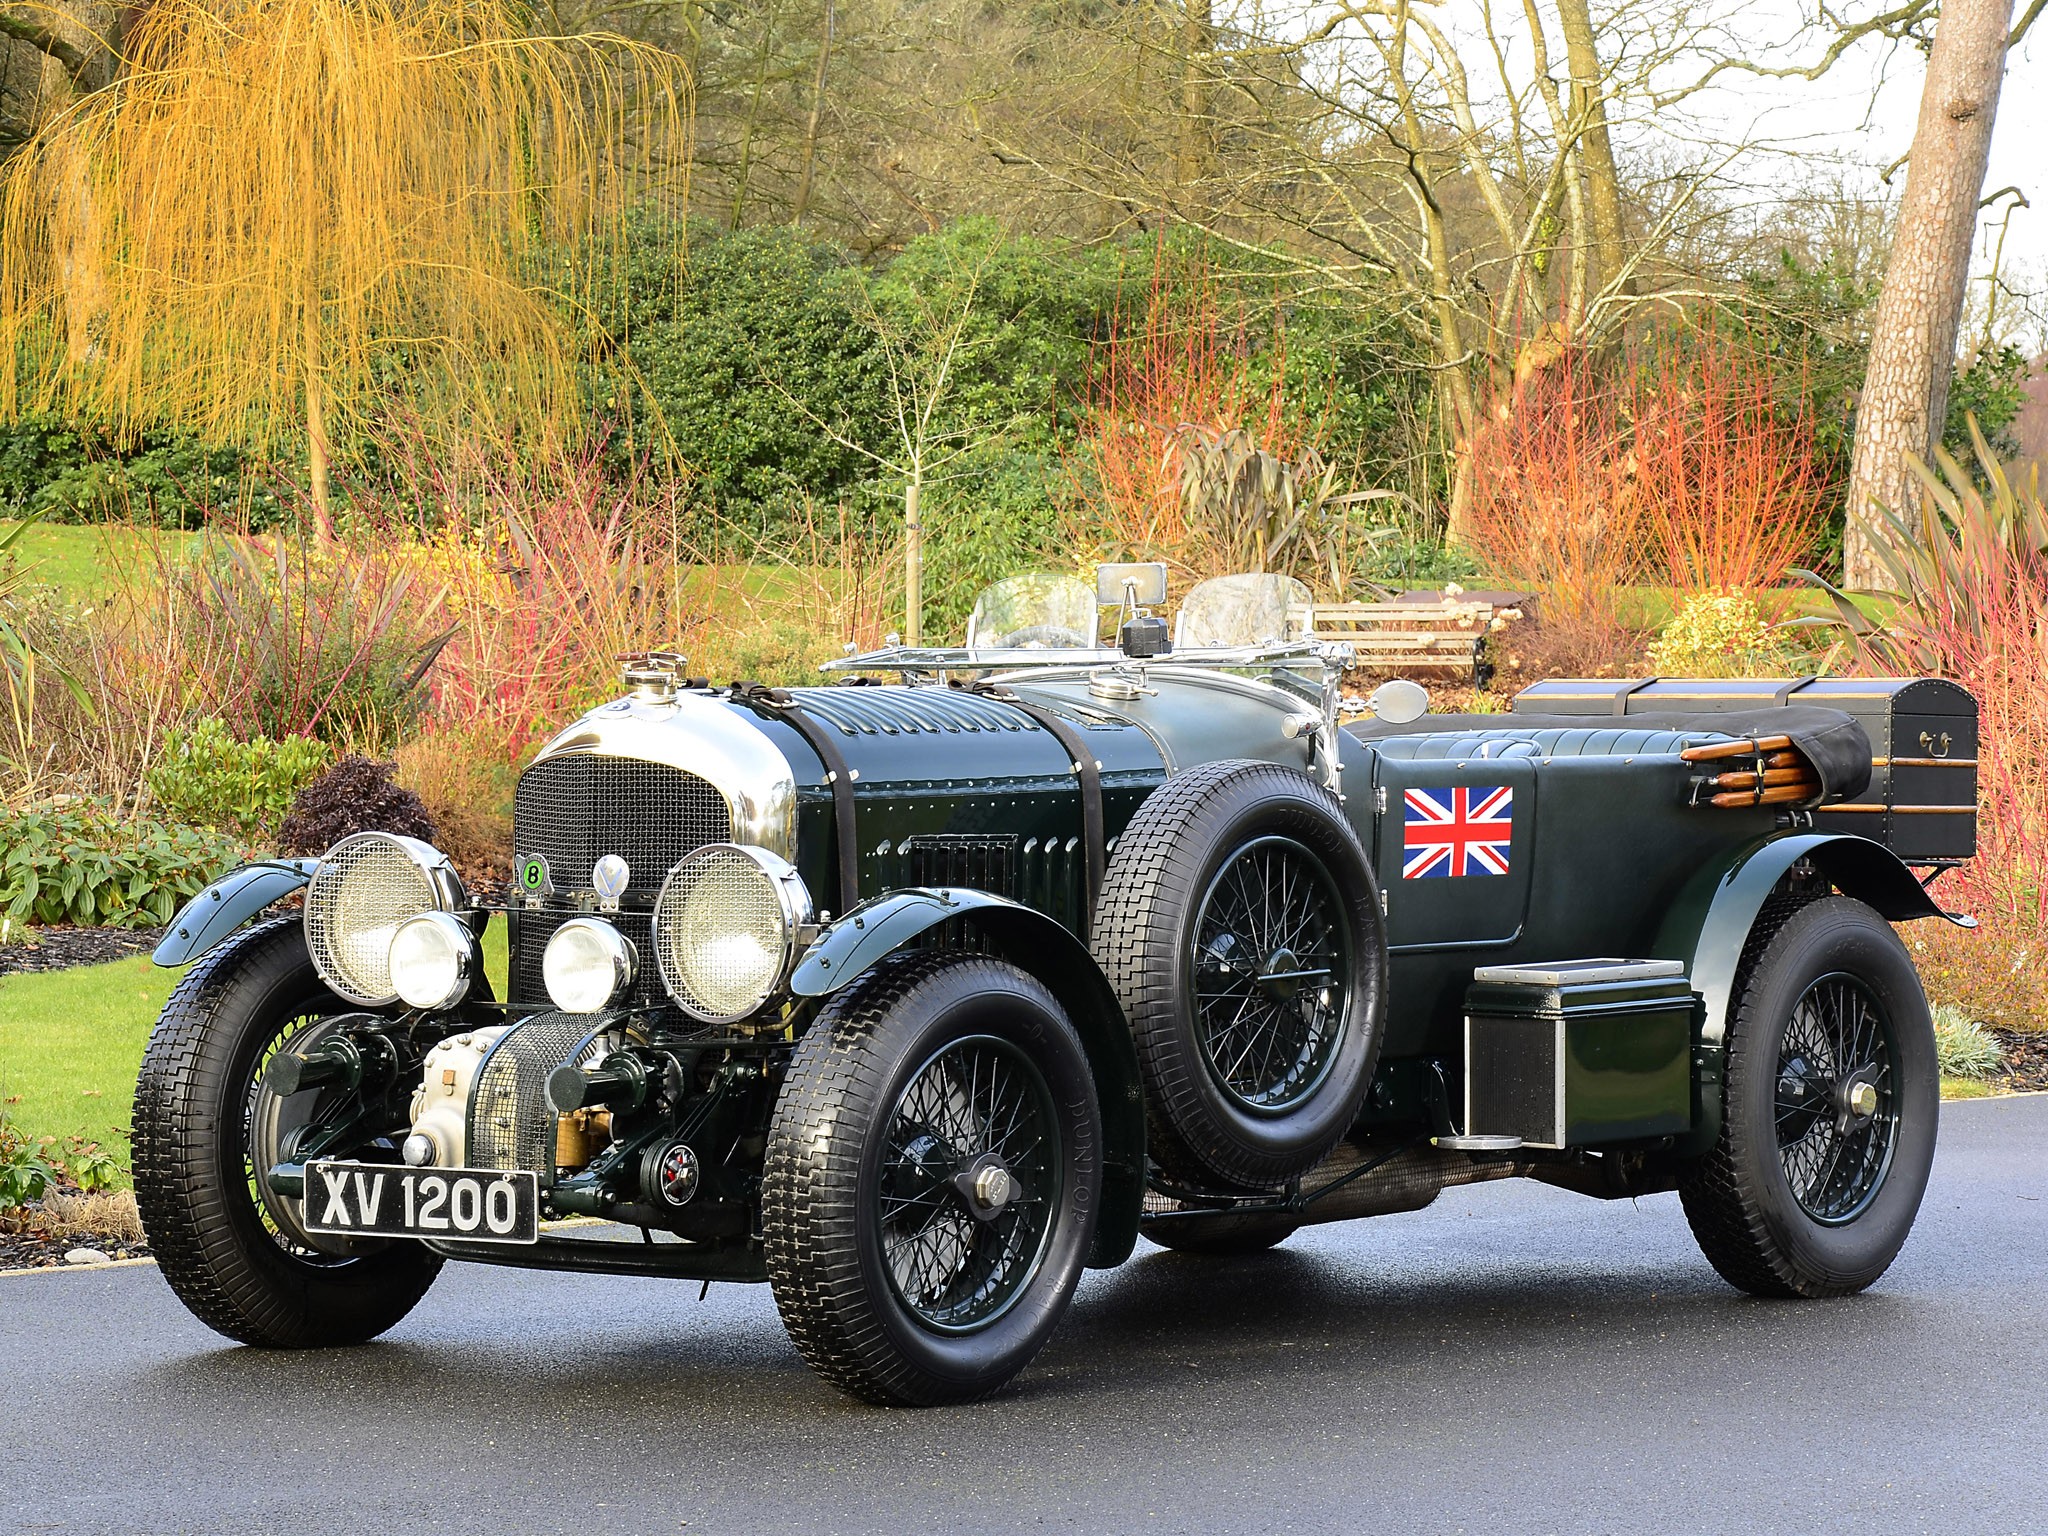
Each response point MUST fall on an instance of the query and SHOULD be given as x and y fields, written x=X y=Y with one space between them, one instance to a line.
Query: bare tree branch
x=62 y=49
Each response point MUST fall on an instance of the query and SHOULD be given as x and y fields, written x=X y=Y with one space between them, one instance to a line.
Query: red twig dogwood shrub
x=1553 y=503
x=1181 y=367
x=1725 y=472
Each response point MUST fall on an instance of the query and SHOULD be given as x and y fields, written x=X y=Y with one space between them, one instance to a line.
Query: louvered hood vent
x=894 y=711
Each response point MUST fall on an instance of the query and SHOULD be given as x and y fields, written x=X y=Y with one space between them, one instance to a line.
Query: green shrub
x=1963 y=1046
x=172 y=480
x=1718 y=634
x=88 y=1164
x=778 y=652
x=88 y=864
x=760 y=319
x=209 y=779
x=25 y=1174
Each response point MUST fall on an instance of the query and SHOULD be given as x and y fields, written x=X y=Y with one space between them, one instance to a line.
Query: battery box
x=1579 y=1053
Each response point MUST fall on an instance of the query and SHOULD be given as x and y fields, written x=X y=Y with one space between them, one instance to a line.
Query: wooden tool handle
x=1772 y=776
x=1784 y=794
x=1749 y=747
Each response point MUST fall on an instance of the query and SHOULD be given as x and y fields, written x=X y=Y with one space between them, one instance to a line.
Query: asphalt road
x=1513 y=1360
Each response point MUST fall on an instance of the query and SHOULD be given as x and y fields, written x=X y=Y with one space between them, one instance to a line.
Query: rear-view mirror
x=1140 y=582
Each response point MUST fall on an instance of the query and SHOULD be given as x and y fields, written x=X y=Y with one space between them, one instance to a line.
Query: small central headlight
x=725 y=929
x=587 y=965
x=433 y=958
x=365 y=887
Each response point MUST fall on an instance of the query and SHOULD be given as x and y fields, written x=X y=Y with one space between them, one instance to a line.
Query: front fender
x=1709 y=925
x=1034 y=943
x=207 y=919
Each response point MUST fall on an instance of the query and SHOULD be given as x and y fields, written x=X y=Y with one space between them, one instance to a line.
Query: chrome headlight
x=725 y=929
x=587 y=965
x=365 y=887
x=434 y=957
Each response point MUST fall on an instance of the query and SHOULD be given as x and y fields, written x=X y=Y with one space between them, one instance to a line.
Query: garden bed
x=2025 y=1069
x=42 y=1233
x=59 y=949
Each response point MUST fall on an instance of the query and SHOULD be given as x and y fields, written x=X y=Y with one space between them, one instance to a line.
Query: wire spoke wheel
x=1837 y=1116
x=1271 y=970
x=932 y=1176
x=971 y=1165
x=1830 y=1105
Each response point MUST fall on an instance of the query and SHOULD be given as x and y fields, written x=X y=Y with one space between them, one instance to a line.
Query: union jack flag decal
x=1461 y=831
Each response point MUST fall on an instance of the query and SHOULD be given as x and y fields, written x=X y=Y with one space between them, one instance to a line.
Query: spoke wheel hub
x=1836 y=1111
x=1271 y=968
x=970 y=1175
x=987 y=1186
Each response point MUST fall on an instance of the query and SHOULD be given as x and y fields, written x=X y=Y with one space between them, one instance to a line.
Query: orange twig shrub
x=1184 y=360
x=1969 y=572
x=1728 y=480
x=1552 y=503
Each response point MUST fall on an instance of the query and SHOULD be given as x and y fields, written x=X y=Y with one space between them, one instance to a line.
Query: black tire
x=1167 y=885
x=1224 y=1236
x=868 y=1137
x=1805 y=1194
x=235 y=1255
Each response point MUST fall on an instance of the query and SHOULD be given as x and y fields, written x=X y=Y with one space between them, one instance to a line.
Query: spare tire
x=1239 y=923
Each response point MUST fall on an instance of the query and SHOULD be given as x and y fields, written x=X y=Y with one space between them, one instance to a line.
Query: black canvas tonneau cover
x=1835 y=743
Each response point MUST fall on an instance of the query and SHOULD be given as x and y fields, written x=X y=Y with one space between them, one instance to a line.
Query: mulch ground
x=58 y=949
x=36 y=1247
x=2026 y=1063
x=28 y=1239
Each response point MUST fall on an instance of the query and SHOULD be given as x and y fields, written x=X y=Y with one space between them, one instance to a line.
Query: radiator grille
x=572 y=810
x=510 y=1123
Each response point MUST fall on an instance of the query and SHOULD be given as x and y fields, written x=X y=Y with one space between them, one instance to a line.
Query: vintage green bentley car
x=914 y=994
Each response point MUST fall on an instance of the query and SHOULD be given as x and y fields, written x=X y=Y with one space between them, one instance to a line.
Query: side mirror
x=1140 y=584
x=1399 y=701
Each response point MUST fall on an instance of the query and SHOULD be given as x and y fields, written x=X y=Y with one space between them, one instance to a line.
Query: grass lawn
x=73 y=557
x=71 y=1043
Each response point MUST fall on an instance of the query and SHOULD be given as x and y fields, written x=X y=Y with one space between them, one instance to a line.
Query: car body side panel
x=1602 y=845
x=1016 y=788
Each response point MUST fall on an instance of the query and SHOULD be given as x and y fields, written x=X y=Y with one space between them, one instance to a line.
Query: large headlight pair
x=381 y=923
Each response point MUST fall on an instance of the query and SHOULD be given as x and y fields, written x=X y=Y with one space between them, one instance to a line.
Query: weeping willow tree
x=319 y=215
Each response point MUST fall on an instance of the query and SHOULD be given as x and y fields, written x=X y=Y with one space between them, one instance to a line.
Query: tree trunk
x=1596 y=148
x=913 y=560
x=1197 y=40
x=803 y=186
x=739 y=190
x=1913 y=342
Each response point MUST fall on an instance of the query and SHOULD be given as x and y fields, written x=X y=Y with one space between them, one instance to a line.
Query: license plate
x=473 y=1205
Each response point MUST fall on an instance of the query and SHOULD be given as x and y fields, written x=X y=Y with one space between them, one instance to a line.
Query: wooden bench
x=1410 y=636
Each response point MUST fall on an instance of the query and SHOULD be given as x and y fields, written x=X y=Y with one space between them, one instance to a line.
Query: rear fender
x=1034 y=943
x=1709 y=926
x=205 y=921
